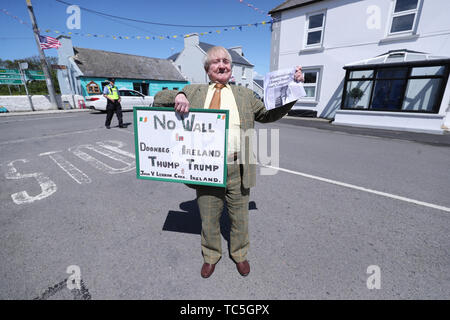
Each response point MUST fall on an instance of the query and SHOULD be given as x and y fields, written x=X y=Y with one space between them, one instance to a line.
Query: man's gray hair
x=211 y=52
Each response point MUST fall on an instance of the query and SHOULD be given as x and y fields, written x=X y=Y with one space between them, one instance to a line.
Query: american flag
x=49 y=42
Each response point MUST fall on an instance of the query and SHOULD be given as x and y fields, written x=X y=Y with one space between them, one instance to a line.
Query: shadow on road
x=188 y=220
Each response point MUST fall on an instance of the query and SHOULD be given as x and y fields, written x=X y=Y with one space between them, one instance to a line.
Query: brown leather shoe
x=207 y=270
x=243 y=268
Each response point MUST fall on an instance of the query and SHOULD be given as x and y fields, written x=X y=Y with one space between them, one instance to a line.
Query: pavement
x=324 y=124
x=340 y=212
x=318 y=123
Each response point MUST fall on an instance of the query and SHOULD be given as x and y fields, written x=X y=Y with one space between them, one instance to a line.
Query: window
x=141 y=87
x=134 y=94
x=175 y=88
x=125 y=93
x=104 y=84
x=409 y=88
x=314 y=30
x=404 y=16
x=243 y=73
x=92 y=88
x=311 y=83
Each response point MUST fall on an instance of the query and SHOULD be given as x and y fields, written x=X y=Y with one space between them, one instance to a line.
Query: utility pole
x=23 y=66
x=48 y=79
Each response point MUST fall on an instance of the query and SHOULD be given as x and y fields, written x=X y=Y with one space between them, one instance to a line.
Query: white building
x=370 y=63
x=258 y=87
x=190 y=62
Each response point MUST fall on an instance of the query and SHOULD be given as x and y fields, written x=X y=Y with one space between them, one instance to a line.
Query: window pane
x=316 y=21
x=387 y=94
x=310 y=92
x=421 y=94
x=314 y=37
x=403 y=5
x=310 y=77
x=388 y=73
x=395 y=57
x=403 y=23
x=361 y=74
x=428 y=71
x=358 y=94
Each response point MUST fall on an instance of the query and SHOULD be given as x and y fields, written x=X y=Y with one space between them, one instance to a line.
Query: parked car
x=129 y=99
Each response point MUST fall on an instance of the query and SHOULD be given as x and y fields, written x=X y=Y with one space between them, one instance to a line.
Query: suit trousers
x=112 y=107
x=211 y=203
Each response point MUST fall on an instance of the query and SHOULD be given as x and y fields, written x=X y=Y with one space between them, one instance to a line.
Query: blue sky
x=17 y=40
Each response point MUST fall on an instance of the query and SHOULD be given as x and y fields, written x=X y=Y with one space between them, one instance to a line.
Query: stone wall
x=40 y=102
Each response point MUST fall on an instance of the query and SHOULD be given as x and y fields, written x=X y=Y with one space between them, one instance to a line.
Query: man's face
x=219 y=68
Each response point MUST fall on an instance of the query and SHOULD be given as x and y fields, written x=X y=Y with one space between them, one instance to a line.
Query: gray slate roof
x=106 y=64
x=289 y=4
x=237 y=58
x=260 y=82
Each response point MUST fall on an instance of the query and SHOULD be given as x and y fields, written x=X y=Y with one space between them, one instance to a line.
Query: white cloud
x=257 y=76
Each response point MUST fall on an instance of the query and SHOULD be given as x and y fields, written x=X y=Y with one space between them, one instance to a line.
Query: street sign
x=34 y=75
x=10 y=81
x=59 y=66
x=10 y=76
x=15 y=74
x=9 y=71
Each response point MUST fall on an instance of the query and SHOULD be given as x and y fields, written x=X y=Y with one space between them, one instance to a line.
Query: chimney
x=191 y=40
x=238 y=50
x=66 y=49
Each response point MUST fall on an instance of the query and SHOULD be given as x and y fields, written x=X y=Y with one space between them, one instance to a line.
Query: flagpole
x=48 y=79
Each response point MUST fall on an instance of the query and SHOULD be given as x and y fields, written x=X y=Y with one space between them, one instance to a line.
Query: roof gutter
x=275 y=10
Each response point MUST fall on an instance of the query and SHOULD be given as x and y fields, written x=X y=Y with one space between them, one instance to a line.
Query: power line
x=151 y=22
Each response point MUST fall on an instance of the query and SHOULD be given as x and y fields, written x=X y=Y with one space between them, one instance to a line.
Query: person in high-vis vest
x=111 y=93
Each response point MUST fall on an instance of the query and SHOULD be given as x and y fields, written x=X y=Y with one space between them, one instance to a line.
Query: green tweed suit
x=241 y=177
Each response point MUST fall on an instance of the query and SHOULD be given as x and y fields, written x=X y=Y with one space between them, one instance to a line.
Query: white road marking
x=49 y=136
x=130 y=165
x=351 y=186
x=48 y=187
x=107 y=145
x=76 y=174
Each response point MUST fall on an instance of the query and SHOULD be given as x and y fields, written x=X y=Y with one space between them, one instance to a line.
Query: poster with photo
x=280 y=88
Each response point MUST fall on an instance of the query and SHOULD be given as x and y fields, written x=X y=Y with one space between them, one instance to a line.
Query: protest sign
x=186 y=149
x=280 y=88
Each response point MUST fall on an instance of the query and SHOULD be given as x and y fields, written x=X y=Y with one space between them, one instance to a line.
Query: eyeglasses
x=216 y=61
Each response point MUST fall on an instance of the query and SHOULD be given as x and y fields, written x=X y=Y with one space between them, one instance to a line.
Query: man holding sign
x=244 y=108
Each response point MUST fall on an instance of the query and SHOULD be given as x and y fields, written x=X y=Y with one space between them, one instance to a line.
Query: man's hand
x=181 y=103
x=298 y=76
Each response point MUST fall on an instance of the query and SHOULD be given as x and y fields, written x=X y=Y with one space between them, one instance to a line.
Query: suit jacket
x=250 y=109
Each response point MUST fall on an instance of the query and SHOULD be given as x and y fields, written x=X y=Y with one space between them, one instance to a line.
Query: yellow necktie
x=215 y=101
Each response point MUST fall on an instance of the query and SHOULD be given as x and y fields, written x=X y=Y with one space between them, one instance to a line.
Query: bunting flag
x=254 y=7
x=150 y=37
x=162 y=37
